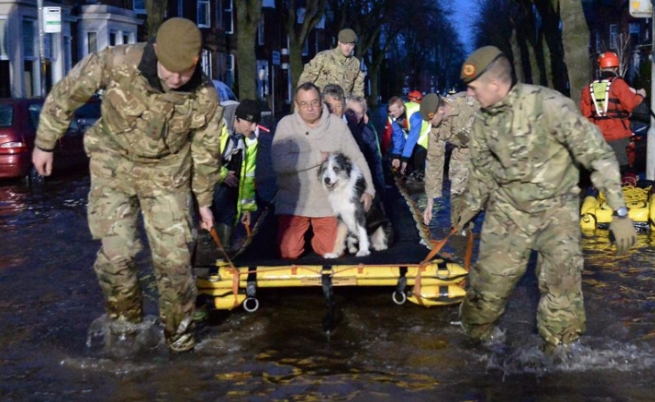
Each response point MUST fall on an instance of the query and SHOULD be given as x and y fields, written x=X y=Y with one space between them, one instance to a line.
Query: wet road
x=380 y=351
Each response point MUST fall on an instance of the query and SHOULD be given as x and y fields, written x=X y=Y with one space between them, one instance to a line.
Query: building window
x=633 y=29
x=599 y=43
x=139 y=6
x=268 y=3
x=31 y=73
x=180 y=8
x=48 y=47
x=260 y=33
x=112 y=39
x=229 y=70
x=204 y=14
x=126 y=38
x=614 y=34
x=206 y=62
x=92 y=42
x=3 y=40
x=305 y=47
x=227 y=16
x=68 y=54
x=29 y=38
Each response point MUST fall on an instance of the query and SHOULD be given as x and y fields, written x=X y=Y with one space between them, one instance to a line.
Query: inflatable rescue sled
x=411 y=271
x=595 y=213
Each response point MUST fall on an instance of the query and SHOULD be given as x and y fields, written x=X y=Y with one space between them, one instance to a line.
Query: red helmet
x=415 y=96
x=608 y=60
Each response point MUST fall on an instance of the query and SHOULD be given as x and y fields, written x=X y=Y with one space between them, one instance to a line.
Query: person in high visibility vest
x=234 y=194
x=409 y=137
x=607 y=102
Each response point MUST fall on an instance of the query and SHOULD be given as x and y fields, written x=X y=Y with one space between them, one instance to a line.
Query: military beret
x=478 y=63
x=429 y=106
x=178 y=44
x=347 y=36
x=248 y=110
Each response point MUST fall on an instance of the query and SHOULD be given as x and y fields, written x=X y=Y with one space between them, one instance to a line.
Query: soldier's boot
x=224 y=233
x=183 y=340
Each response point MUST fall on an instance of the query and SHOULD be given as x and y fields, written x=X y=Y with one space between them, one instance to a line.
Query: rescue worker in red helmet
x=608 y=102
x=415 y=96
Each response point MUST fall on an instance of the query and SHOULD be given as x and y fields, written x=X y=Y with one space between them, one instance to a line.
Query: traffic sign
x=641 y=9
x=51 y=19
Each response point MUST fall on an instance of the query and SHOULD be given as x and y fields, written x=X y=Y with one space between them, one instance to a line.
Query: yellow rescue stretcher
x=595 y=213
x=416 y=274
x=437 y=282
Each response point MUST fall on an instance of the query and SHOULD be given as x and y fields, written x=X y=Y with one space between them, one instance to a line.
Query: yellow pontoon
x=595 y=213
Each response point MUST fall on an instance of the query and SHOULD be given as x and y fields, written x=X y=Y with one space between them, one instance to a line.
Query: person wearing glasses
x=302 y=141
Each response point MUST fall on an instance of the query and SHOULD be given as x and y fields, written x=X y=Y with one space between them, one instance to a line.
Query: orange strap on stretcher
x=436 y=248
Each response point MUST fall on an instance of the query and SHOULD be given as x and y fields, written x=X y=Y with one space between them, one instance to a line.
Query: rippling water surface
x=379 y=351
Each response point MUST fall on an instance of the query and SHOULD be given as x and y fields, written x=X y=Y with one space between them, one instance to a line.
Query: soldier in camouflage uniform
x=337 y=66
x=451 y=119
x=157 y=140
x=525 y=148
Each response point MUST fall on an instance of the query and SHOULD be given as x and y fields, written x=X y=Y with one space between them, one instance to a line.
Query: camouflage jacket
x=524 y=151
x=332 y=67
x=176 y=130
x=454 y=129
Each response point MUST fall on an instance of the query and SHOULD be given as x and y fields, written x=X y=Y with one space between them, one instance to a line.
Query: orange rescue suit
x=610 y=112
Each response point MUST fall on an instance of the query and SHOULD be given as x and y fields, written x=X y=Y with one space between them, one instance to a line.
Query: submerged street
x=379 y=351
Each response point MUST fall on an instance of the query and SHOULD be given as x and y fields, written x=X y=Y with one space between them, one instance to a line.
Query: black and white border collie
x=345 y=185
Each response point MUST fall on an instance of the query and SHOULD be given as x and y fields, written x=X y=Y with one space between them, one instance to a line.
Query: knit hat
x=479 y=62
x=178 y=44
x=429 y=106
x=347 y=36
x=248 y=110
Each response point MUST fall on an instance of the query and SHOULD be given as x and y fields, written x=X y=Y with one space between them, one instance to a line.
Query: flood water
x=49 y=297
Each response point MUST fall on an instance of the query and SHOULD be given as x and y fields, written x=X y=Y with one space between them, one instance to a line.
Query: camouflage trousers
x=458 y=174
x=120 y=189
x=508 y=236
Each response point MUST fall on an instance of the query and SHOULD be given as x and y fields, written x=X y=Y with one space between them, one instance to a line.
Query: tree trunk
x=518 y=58
x=156 y=10
x=575 y=38
x=295 y=61
x=314 y=12
x=248 y=15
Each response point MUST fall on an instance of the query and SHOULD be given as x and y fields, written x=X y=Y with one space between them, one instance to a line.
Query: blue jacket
x=368 y=142
x=416 y=126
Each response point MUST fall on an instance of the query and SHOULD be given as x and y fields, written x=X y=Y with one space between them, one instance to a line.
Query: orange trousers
x=291 y=234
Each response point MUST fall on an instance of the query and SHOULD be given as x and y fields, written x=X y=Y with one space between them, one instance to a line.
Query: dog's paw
x=363 y=253
x=352 y=250
x=330 y=255
x=379 y=247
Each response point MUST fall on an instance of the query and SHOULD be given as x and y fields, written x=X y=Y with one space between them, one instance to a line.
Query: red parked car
x=18 y=121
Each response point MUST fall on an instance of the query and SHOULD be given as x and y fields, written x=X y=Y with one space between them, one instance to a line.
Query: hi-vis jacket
x=246 y=200
x=608 y=102
x=417 y=132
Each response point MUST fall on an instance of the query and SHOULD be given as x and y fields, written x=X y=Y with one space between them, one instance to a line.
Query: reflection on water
x=26 y=205
x=379 y=351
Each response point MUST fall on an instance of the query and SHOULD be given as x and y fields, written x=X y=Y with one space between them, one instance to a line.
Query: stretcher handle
x=235 y=276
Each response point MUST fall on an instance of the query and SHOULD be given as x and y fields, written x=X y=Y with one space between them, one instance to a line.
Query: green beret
x=478 y=63
x=178 y=44
x=429 y=106
x=347 y=36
